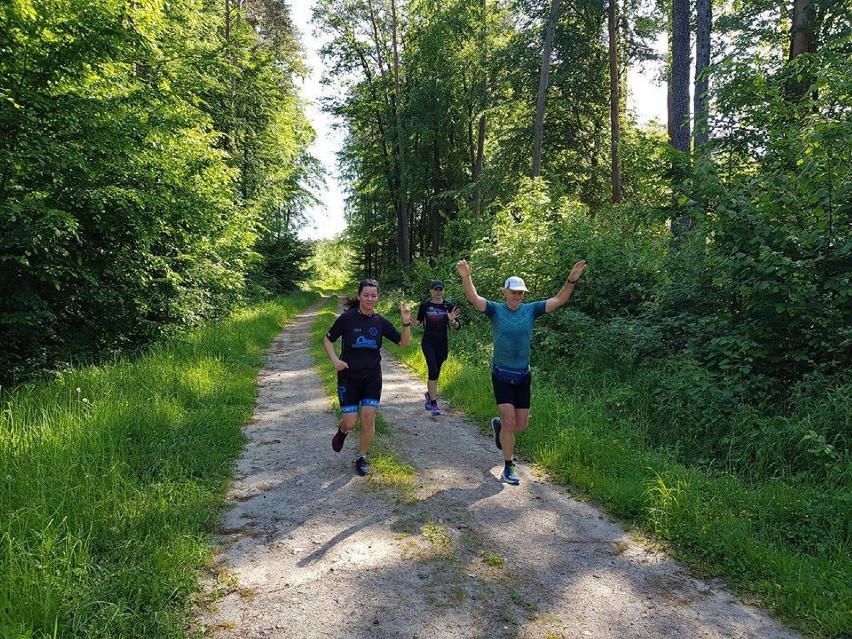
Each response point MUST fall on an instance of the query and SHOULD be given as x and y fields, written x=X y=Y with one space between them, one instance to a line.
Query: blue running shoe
x=436 y=410
x=428 y=403
x=495 y=427
x=510 y=476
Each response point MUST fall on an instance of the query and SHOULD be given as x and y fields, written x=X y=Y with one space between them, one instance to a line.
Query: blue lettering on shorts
x=369 y=402
x=349 y=409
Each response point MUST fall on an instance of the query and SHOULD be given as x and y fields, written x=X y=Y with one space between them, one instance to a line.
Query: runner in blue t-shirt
x=511 y=329
x=435 y=314
x=359 y=371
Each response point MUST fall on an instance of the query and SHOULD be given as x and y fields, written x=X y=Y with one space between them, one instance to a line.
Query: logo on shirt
x=374 y=331
x=363 y=342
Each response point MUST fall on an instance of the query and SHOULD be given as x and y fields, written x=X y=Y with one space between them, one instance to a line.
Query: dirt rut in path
x=310 y=549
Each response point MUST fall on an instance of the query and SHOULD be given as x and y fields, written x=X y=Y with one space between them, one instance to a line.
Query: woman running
x=436 y=314
x=511 y=329
x=359 y=371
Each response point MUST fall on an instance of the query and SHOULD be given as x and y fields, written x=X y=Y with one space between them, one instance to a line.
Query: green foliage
x=129 y=202
x=330 y=265
x=111 y=478
x=284 y=262
x=540 y=236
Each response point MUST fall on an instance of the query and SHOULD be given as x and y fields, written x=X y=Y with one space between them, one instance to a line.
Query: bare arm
x=564 y=293
x=338 y=363
x=464 y=269
x=405 y=340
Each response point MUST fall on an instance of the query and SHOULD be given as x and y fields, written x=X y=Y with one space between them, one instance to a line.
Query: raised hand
x=405 y=311
x=453 y=315
x=577 y=271
x=464 y=268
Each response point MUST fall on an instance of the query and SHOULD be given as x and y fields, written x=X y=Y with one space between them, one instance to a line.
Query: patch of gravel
x=309 y=549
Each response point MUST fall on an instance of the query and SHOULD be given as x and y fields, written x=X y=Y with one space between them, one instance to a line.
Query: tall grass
x=787 y=543
x=110 y=478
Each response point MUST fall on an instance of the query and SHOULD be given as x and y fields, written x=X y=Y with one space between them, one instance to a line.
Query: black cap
x=437 y=284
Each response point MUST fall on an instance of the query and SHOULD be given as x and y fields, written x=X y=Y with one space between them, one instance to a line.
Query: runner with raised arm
x=511 y=329
x=359 y=371
x=435 y=314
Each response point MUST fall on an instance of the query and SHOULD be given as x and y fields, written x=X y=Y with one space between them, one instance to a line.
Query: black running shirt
x=434 y=318
x=362 y=340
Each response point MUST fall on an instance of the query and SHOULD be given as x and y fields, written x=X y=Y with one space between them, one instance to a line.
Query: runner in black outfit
x=359 y=372
x=436 y=315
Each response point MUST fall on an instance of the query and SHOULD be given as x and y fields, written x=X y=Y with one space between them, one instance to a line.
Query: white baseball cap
x=515 y=283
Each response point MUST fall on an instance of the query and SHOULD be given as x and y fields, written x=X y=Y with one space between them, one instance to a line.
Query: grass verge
x=111 y=477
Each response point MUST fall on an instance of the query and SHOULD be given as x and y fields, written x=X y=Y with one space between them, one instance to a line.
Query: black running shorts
x=359 y=391
x=518 y=395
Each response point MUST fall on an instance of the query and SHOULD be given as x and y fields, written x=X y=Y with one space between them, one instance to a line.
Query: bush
x=283 y=265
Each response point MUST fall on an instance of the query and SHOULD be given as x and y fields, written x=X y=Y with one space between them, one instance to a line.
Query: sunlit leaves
x=112 y=121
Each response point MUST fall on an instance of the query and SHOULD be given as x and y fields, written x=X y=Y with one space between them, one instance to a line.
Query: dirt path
x=311 y=550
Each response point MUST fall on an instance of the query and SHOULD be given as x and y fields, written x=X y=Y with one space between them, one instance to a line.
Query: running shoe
x=436 y=410
x=361 y=465
x=510 y=476
x=337 y=440
x=495 y=427
x=428 y=403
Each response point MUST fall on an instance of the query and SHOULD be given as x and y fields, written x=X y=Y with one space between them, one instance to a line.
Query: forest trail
x=310 y=549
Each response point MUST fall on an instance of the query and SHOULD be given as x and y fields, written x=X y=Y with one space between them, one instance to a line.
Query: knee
x=521 y=424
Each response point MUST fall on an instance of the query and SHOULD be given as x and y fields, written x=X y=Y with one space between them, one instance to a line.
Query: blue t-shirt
x=512 y=331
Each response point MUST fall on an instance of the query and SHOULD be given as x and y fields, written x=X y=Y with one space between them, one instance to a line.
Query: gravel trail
x=309 y=549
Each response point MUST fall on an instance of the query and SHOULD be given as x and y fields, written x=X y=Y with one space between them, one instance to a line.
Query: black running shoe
x=362 y=466
x=337 y=440
x=495 y=426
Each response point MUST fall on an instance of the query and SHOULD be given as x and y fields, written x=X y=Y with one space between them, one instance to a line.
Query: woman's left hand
x=453 y=315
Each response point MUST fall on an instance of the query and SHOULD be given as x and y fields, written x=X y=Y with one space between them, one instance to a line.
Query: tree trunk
x=704 y=23
x=679 y=106
x=402 y=211
x=802 y=40
x=614 y=102
x=479 y=162
x=679 y=77
x=801 y=34
x=538 y=132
